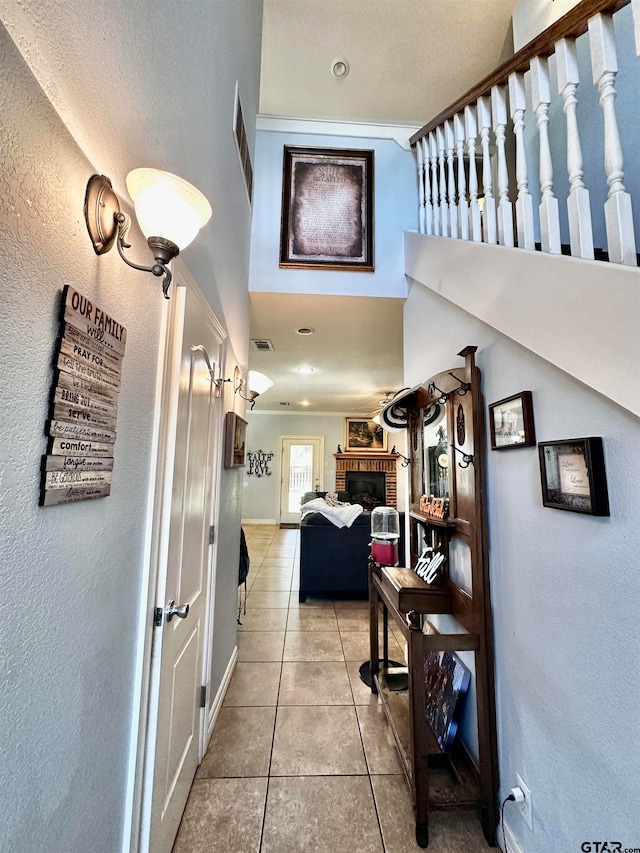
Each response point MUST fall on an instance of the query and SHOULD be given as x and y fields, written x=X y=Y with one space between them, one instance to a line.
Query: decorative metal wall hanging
x=259 y=463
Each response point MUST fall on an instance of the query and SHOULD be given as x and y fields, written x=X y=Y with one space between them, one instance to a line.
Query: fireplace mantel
x=362 y=460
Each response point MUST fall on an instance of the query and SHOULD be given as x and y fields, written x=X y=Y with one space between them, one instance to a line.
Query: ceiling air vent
x=285 y=404
x=262 y=345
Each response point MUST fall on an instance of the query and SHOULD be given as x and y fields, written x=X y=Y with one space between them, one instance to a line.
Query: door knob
x=182 y=610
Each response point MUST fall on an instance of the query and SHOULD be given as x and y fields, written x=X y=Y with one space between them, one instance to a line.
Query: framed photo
x=235 y=440
x=327 y=209
x=573 y=475
x=362 y=434
x=511 y=422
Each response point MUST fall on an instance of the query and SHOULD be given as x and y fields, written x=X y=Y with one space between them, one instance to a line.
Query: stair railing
x=448 y=147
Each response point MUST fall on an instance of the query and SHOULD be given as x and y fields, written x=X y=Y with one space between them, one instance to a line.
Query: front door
x=178 y=645
x=301 y=470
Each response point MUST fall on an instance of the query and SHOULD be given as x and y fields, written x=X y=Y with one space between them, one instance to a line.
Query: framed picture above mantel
x=361 y=434
x=327 y=209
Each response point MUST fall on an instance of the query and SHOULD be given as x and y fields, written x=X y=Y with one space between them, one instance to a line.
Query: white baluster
x=444 y=209
x=463 y=205
x=428 y=207
x=578 y=206
x=451 y=180
x=505 y=210
x=617 y=209
x=420 y=186
x=471 y=129
x=490 y=231
x=635 y=6
x=549 y=215
x=433 y=151
x=524 y=202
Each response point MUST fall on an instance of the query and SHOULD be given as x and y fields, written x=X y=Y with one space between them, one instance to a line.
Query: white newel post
x=549 y=215
x=505 y=210
x=617 y=209
x=451 y=180
x=524 y=202
x=444 y=208
x=463 y=205
x=433 y=151
x=490 y=231
x=420 y=161
x=635 y=7
x=471 y=129
x=578 y=205
x=428 y=207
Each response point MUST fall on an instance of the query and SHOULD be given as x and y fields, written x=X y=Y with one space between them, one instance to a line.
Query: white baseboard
x=259 y=521
x=512 y=841
x=214 y=710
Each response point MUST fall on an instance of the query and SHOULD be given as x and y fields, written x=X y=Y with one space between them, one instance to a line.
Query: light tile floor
x=301 y=758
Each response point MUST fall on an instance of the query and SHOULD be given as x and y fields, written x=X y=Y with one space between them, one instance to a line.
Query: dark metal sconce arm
x=163 y=251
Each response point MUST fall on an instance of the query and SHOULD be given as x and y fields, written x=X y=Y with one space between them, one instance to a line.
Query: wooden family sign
x=84 y=403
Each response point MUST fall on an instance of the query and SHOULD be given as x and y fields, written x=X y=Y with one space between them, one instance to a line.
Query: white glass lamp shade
x=166 y=206
x=258 y=383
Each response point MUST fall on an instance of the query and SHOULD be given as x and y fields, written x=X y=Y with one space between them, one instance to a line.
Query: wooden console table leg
x=418 y=720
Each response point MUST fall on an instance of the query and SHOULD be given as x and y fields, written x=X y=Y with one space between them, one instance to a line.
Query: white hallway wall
x=73 y=576
x=565 y=593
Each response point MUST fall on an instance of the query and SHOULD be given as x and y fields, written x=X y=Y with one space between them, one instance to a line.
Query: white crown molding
x=364 y=417
x=399 y=133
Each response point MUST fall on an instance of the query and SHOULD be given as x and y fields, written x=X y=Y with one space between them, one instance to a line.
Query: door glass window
x=300 y=473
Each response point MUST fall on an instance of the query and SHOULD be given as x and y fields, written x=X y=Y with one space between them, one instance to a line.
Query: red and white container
x=385 y=532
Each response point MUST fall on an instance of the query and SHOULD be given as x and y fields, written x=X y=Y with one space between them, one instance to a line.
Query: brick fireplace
x=369 y=462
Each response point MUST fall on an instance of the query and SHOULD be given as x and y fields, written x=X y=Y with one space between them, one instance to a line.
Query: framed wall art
x=511 y=422
x=327 y=209
x=363 y=434
x=235 y=440
x=573 y=475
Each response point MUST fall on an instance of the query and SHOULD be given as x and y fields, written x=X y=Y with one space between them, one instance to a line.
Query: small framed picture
x=362 y=434
x=235 y=440
x=573 y=475
x=511 y=422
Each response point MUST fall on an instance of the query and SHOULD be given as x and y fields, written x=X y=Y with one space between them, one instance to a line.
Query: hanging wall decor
x=259 y=463
x=327 y=209
x=235 y=440
x=84 y=403
x=511 y=422
x=573 y=475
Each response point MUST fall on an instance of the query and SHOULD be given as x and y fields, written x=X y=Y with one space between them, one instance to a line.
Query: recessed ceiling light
x=305 y=402
x=305 y=330
x=304 y=369
x=340 y=68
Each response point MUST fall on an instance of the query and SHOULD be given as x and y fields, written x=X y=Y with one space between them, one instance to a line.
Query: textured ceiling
x=408 y=58
x=355 y=351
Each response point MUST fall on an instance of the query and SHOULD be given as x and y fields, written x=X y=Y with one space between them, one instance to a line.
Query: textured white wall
x=531 y=17
x=565 y=593
x=70 y=574
x=395 y=210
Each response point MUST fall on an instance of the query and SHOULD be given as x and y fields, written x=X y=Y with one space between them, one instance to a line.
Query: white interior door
x=301 y=470
x=178 y=644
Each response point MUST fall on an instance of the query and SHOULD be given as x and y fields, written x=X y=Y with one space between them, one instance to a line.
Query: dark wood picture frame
x=573 y=475
x=511 y=422
x=327 y=209
x=235 y=440
x=364 y=436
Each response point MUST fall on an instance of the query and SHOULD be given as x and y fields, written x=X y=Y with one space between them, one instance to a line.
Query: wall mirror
x=435 y=448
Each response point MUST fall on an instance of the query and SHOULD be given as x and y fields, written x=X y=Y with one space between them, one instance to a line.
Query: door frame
x=146 y=692
x=301 y=439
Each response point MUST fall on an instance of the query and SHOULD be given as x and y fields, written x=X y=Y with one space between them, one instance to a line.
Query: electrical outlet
x=525 y=805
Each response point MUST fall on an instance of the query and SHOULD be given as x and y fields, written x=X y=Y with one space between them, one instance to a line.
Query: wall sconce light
x=257 y=384
x=170 y=213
